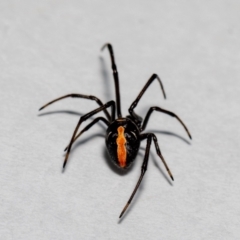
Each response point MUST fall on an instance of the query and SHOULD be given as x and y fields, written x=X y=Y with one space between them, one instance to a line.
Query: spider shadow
x=85 y=140
x=72 y=113
x=60 y=112
x=168 y=133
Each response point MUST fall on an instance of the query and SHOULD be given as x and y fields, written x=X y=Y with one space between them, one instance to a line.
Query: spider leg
x=163 y=111
x=134 y=104
x=115 y=76
x=84 y=118
x=76 y=95
x=89 y=126
x=146 y=135
x=143 y=170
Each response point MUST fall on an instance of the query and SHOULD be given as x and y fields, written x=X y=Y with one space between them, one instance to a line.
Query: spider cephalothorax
x=123 y=135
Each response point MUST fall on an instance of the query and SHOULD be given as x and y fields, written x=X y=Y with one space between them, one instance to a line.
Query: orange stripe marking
x=121 y=148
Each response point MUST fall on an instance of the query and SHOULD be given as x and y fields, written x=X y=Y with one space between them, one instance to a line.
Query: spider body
x=122 y=142
x=123 y=135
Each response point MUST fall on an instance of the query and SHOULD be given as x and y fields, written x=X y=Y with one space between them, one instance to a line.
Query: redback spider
x=123 y=135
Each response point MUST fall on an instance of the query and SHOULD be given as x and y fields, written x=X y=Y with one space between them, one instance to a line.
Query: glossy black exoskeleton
x=123 y=135
x=132 y=136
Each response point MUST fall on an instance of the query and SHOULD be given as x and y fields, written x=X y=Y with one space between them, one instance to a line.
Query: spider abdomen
x=122 y=141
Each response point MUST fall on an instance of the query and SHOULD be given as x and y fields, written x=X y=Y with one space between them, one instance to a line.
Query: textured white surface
x=50 y=48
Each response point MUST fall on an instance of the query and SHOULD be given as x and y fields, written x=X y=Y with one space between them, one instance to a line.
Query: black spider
x=123 y=135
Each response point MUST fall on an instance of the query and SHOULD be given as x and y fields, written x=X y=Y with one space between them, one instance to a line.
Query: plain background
x=51 y=48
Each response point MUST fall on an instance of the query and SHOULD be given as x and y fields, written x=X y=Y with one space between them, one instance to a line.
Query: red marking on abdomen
x=121 y=148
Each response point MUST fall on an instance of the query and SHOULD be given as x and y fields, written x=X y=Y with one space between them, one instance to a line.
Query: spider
x=123 y=135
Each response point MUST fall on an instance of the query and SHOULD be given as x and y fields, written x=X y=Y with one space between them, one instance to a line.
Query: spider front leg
x=143 y=170
x=84 y=118
x=163 y=111
x=115 y=76
x=76 y=95
x=134 y=104
x=89 y=126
